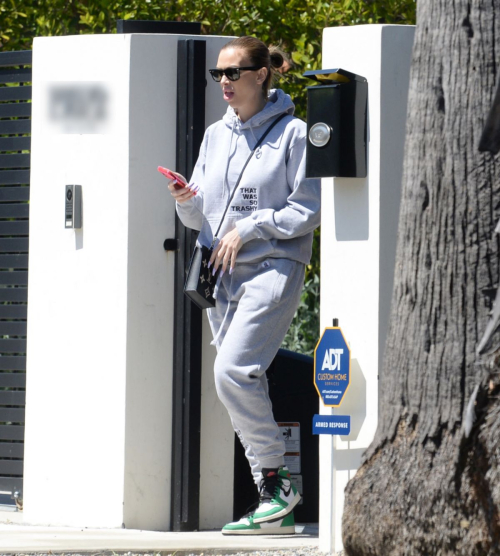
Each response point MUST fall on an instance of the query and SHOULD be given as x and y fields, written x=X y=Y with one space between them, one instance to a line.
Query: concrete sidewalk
x=17 y=537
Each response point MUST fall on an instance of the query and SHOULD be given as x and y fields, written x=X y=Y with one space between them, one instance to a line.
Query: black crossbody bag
x=200 y=283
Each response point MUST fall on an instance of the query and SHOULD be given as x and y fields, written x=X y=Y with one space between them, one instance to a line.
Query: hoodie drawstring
x=226 y=183
x=257 y=152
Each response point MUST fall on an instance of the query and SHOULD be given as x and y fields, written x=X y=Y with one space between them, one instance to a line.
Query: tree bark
x=425 y=488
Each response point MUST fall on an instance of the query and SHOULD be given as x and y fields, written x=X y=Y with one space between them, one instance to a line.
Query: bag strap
x=259 y=143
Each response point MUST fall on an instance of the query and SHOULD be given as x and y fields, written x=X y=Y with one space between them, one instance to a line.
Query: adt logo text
x=332 y=360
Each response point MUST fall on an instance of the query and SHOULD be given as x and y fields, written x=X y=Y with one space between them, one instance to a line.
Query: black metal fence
x=15 y=142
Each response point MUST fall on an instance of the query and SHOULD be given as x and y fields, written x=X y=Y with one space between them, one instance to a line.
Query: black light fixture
x=336 y=124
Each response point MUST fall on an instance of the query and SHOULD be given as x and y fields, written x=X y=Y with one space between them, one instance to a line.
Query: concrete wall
x=100 y=323
x=358 y=242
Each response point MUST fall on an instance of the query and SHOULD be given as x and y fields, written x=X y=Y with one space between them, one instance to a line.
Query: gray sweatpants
x=254 y=309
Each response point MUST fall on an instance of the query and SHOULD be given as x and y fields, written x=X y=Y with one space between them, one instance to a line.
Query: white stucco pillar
x=100 y=311
x=358 y=243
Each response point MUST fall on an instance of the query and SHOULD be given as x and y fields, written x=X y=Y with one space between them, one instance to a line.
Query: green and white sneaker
x=278 y=495
x=247 y=526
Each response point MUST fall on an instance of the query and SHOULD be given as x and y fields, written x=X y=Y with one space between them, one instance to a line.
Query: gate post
x=101 y=298
x=358 y=247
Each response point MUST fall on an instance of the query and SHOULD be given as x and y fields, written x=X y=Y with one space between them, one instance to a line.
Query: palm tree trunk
x=425 y=488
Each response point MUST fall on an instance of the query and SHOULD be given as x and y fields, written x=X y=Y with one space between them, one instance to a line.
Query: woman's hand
x=179 y=193
x=226 y=251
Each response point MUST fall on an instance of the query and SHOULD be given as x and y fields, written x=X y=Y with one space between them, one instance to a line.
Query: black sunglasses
x=233 y=74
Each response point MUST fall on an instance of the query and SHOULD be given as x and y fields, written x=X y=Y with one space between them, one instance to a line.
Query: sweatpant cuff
x=272 y=463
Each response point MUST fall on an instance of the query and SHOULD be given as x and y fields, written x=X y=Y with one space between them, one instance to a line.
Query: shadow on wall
x=354 y=401
x=352 y=218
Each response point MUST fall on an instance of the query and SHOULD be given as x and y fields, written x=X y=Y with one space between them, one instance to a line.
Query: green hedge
x=296 y=25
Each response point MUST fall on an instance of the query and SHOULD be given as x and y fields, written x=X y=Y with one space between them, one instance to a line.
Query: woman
x=265 y=243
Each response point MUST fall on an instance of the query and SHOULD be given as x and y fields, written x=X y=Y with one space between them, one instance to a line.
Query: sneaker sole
x=280 y=514
x=290 y=530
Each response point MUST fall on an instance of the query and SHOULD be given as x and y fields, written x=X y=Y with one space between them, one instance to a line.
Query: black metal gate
x=191 y=83
x=15 y=142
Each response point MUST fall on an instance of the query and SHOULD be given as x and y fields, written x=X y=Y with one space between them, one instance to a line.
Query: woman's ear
x=261 y=75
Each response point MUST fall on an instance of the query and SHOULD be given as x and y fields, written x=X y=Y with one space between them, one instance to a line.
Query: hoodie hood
x=278 y=103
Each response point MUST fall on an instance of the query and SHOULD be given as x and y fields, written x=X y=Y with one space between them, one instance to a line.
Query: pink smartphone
x=169 y=174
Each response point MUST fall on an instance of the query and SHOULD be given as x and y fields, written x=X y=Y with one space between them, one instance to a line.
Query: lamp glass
x=320 y=134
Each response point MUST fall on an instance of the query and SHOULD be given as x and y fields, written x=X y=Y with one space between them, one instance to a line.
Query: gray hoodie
x=275 y=207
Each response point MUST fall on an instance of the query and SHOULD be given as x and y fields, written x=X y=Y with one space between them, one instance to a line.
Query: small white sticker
x=291 y=435
x=297 y=481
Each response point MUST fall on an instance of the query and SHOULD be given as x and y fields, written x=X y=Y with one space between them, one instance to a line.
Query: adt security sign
x=332 y=367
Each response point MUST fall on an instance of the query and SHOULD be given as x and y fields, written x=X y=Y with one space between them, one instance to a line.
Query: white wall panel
x=358 y=241
x=100 y=325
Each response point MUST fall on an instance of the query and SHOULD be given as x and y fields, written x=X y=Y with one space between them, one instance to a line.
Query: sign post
x=332 y=377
